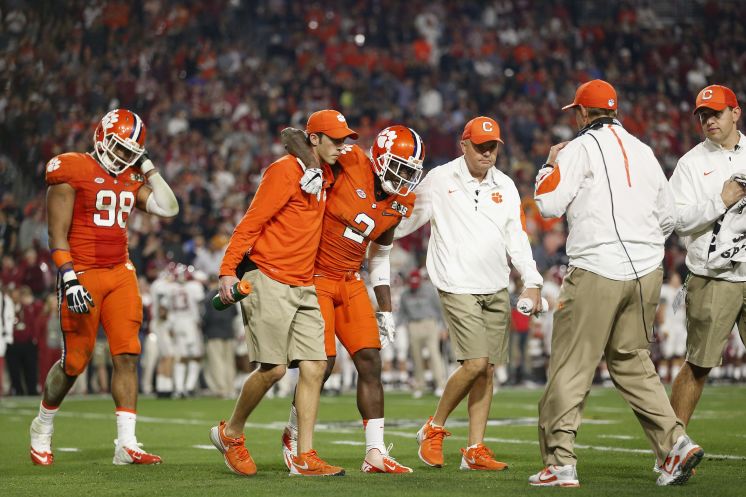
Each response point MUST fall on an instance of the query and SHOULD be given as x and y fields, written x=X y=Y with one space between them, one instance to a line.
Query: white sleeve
x=666 y=208
x=556 y=189
x=518 y=246
x=693 y=215
x=423 y=209
x=379 y=264
x=162 y=201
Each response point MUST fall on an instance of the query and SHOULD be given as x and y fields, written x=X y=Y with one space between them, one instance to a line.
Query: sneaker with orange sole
x=377 y=461
x=480 y=458
x=430 y=439
x=236 y=456
x=310 y=464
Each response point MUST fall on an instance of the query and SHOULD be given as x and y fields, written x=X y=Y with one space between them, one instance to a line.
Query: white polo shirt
x=474 y=227
x=697 y=183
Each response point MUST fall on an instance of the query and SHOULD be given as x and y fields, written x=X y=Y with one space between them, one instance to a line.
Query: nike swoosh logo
x=451 y=191
x=303 y=466
x=551 y=477
x=389 y=467
x=41 y=459
x=471 y=461
x=709 y=172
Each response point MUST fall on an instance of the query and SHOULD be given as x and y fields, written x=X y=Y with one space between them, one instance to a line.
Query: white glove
x=77 y=296
x=312 y=181
x=386 y=328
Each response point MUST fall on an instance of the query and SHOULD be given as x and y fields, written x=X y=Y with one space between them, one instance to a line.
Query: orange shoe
x=132 y=453
x=41 y=443
x=310 y=464
x=289 y=445
x=381 y=462
x=430 y=439
x=236 y=456
x=480 y=458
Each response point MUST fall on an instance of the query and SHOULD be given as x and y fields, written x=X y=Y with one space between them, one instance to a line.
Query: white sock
x=46 y=414
x=179 y=376
x=193 y=369
x=164 y=384
x=126 y=420
x=293 y=421
x=675 y=372
x=374 y=434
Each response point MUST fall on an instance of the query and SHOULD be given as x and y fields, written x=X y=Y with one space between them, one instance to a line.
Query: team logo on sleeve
x=401 y=209
x=53 y=165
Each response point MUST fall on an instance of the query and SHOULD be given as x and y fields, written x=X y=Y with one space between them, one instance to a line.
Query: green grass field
x=613 y=454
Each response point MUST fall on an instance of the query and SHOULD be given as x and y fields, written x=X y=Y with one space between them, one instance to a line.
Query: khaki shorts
x=283 y=323
x=478 y=325
x=712 y=308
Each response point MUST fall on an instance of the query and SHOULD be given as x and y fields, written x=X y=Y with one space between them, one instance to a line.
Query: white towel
x=728 y=245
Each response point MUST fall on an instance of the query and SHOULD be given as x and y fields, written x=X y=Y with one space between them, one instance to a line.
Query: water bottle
x=239 y=291
x=526 y=307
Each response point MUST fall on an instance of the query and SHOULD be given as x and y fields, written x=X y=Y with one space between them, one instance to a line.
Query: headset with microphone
x=596 y=125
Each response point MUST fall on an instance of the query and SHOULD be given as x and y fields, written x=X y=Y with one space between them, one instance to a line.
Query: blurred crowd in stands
x=215 y=82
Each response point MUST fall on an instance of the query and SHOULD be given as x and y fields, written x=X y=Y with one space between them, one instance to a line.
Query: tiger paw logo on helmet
x=110 y=119
x=386 y=138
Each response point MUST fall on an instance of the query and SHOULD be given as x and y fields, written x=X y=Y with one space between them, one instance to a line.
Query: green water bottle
x=239 y=291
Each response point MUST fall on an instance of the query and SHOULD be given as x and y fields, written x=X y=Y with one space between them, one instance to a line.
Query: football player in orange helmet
x=368 y=199
x=89 y=200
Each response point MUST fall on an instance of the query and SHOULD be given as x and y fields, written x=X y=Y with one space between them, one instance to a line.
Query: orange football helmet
x=119 y=140
x=398 y=154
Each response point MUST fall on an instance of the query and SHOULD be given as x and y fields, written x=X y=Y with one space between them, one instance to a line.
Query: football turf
x=614 y=456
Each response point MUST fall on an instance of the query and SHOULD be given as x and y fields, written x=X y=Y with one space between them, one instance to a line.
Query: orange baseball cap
x=330 y=122
x=716 y=97
x=596 y=94
x=481 y=129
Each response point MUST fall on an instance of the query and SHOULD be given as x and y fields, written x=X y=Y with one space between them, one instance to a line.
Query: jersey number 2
x=106 y=204
x=355 y=235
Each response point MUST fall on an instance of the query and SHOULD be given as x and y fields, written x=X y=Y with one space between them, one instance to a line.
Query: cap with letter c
x=595 y=94
x=481 y=129
x=715 y=97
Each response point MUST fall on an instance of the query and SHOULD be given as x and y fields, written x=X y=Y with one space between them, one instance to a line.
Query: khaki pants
x=220 y=370
x=712 y=308
x=424 y=335
x=596 y=317
x=478 y=324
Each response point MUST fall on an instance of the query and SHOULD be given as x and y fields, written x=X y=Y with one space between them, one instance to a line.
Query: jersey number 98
x=112 y=209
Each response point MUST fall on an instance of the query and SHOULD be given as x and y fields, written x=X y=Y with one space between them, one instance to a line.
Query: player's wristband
x=146 y=166
x=61 y=257
x=69 y=275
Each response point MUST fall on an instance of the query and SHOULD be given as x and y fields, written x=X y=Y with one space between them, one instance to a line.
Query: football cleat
x=555 y=476
x=41 y=443
x=381 y=462
x=480 y=458
x=289 y=445
x=310 y=464
x=133 y=454
x=430 y=439
x=680 y=462
x=235 y=454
